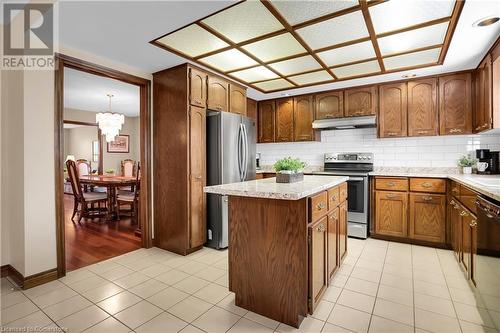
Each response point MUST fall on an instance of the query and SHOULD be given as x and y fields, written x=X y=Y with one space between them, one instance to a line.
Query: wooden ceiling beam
x=457 y=10
x=371 y=31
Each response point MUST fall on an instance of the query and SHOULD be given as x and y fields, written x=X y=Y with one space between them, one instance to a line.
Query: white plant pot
x=467 y=170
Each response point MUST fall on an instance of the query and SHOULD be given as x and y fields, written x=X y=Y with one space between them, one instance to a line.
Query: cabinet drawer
x=343 y=192
x=455 y=189
x=431 y=185
x=333 y=197
x=468 y=198
x=391 y=184
x=318 y=206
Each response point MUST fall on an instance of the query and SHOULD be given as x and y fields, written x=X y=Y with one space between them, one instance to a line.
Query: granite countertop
x=270 y=169
x=414 y=172
x=268 y=188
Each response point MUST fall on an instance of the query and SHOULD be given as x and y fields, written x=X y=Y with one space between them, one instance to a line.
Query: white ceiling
x=121 y=31
x=87 y=92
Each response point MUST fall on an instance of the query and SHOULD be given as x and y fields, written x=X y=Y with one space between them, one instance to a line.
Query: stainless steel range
x=356 y=166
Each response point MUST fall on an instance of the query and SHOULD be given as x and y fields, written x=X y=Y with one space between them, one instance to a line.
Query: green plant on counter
x=466 y=161
x=289 y=164
x=110 y=171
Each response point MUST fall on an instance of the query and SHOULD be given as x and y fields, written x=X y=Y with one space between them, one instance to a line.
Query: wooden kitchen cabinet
x=329 y=105
x=303 y=116
x=318 y=265
x=266 y=120
x=455 y=229
x=423 y=107
x=392 y=120
x=237 y=100
x=197 y=87
x=284 y=120
x=391 y=213
x=483 y=101
x=218 y=94
x=342 y=230
x=361 y=101
x=333 y=242
x=455 y=104
x=252 y=109
x=428 y=217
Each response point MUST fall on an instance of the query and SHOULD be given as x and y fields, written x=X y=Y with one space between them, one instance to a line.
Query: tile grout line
x=378 y=287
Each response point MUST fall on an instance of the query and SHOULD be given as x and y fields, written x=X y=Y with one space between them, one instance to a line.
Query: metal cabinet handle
x=422 y=132
x=320 y=206
x=455 y=130
x=391 y=196
x=321 y=228
x=473 y=223
x=455 y=190
x=463 y=213
x=333 y=198
x=391 y=184
x=198 y=177
x=392 y=133
x=427 y=198
x=426 y=185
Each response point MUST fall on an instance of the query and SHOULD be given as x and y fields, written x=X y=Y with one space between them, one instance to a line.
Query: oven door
x=357 y=190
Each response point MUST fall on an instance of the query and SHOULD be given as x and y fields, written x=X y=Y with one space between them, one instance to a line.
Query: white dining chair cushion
x=128 y=169
x=83 y=169
x=126 y=197
x=94 y=196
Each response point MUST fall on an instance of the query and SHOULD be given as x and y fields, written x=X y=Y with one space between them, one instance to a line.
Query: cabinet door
x=361 y=101
x=333 y=242
x=483 y=110
x=391 y=213
x=422 y=107
x=197 y=162
x=393 y=110
x=466 y=241
x=318 y=249
x=252 y=109
x=266 y=117
x=237 y=100
x=428 y=217
x=329 y=105
x=197 y=87
x=218 y=94
x=303 y=118
x=284 y=120
x=342 y=231
x=455 y=105
x=456 y=229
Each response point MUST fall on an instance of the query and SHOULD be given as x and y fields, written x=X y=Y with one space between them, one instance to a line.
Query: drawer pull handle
x=333 y=198
x=473 y=223
x=391 y=196
x=426 y=185
x=392 y=133
x=463 y=213
x=320 y=206
x=422 y=132
x=391 y=184
x=321 y=227
x=455 y=130
x=428 y=198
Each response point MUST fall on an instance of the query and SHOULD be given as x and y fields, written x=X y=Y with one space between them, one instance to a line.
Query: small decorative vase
x=289 y=177
x=467 y=170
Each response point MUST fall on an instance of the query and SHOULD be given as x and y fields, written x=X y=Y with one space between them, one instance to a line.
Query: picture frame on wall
x=121 y=144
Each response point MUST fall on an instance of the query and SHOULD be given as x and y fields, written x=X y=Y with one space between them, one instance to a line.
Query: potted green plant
x=289 y=170
x=466 y=162
x=110 y=172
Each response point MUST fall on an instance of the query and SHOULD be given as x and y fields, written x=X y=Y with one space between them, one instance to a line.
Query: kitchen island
x=286 y=241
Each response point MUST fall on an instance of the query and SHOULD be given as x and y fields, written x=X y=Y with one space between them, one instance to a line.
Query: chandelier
x=110 y=123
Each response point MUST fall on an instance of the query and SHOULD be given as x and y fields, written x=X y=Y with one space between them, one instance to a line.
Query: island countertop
x=268 y=188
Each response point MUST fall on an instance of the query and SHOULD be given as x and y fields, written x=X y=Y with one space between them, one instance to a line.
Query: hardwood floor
x=92 y=241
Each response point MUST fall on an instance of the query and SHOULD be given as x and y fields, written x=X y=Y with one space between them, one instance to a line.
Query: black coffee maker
x=492 y=160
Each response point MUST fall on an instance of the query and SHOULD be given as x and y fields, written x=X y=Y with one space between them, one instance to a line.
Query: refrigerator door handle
x=245 y=151
x=240 y=152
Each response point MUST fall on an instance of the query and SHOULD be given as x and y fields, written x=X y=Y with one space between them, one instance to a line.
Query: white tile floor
x=381 y=287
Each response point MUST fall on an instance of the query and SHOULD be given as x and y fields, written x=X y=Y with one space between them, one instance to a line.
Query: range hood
x=345 y=123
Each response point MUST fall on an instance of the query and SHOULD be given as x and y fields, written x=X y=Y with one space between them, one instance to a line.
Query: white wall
x=435 y=151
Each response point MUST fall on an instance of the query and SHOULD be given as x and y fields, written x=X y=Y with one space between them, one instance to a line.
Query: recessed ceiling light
x=485 y=21
x=407 y=76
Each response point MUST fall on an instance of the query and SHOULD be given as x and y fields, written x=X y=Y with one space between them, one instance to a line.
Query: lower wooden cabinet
x=428 y=217
x=318 y=252
x=342 y=230
x=390 y=213
x=455 y=229
x=333 y=236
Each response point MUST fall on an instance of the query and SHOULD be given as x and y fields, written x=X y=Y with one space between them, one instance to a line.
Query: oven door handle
x=356 y=179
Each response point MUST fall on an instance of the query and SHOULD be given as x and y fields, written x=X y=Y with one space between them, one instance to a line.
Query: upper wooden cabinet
x=455 y=104
x=252 y=109
x=284 y=120
x=197 y=87
x=266 y=119
x=329 y=105
x=390 y=213
x=237 y=100
x=483 y=102
x=360 y=101
x=218 y=94
x=303 y=118
x=392 y=120
x=423 y=107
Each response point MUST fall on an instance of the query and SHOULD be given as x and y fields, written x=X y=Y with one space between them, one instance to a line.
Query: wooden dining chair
x=128 y=170
x=83 y=167
x=125 y=198
x=85 y=200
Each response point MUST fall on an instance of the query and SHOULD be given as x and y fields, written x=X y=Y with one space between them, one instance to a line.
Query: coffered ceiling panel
x=294 y=11
x=274 y=45
x=277 y=47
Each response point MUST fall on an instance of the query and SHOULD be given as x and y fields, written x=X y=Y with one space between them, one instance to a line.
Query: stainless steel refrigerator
x=231 y=145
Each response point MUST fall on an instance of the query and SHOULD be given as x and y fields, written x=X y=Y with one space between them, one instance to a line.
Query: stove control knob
x=334 y=157
x=369 y=157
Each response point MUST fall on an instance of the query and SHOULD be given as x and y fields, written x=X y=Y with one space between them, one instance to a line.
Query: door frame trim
x=145 y=219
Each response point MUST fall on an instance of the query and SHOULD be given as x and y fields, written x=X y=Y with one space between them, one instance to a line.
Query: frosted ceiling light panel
x=254 y=74
x=277 y=47
x=274 y=85
x=368 y=67
x=228 y=60
x=304 y=10
x=335 y=31
x=348 y=54
x=182 y=41
x=319 y=76
x=398 y=14
x=413 y=59
x=413 y=39
x=244 y=21
x=296 y=65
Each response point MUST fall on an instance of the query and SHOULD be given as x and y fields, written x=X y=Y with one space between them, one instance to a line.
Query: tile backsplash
x=432 y=151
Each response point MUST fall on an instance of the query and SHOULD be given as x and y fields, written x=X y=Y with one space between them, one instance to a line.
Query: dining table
x=111 y=183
